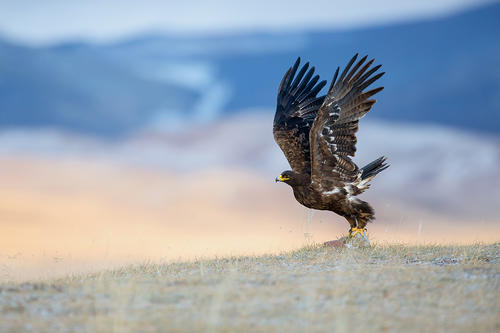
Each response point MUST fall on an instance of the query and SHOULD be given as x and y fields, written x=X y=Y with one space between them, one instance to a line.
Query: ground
x=392 y=288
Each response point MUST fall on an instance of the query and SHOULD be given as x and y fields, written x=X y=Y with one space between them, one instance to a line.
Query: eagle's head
x=291 y=178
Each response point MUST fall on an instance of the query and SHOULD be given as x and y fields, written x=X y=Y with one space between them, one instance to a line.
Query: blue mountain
x=443 y=71
x=83 y=91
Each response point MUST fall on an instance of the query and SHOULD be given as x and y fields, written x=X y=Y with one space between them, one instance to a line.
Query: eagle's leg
x=357 y=226
x=362 y=221
x=353 y=222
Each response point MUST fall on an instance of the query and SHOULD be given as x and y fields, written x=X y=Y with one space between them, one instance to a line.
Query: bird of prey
x=317 y=134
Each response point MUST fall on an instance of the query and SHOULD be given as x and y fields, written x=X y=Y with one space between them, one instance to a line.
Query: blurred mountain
x=443 y=71
x=82 y=91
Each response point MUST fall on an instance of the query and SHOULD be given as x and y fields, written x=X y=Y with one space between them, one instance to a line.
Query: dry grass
x=383 y=288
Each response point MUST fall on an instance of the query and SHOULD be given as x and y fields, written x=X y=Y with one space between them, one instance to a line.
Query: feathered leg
x=352 y=221
x=355 y=229
x=362 y=213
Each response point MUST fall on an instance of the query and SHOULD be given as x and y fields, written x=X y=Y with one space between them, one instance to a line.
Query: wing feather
x=333 y=134
x=297 y=106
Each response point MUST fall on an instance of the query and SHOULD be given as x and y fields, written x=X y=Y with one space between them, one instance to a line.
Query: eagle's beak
x=280 y=178
x=277 y=179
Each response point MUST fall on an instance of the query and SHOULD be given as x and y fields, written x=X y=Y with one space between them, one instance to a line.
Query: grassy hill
x=384 y=288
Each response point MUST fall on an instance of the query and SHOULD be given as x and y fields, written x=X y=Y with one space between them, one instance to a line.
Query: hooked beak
x=280 y=178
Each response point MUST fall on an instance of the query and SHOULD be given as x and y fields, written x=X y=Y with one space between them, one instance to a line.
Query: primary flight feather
x=318 y=136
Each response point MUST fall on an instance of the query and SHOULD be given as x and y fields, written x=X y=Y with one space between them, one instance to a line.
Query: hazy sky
x=49 y=21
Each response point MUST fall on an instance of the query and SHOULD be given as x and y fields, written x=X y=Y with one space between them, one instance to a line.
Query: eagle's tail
x=372 y=169
x=369 y=171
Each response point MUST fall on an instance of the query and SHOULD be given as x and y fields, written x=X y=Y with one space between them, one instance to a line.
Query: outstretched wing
x=295 y=112
x=333 y=134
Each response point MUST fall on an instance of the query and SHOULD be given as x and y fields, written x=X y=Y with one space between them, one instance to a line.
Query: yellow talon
x=355 y=231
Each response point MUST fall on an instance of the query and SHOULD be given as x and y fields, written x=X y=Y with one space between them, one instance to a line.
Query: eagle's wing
x=333 y=134
x=296 y=109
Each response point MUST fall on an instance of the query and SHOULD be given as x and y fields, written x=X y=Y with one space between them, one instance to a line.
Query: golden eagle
x=318 y=134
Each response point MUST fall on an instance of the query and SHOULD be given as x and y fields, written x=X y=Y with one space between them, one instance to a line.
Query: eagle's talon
x=354 y=231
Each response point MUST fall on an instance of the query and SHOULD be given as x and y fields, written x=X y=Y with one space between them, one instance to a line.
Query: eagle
x=317 y=134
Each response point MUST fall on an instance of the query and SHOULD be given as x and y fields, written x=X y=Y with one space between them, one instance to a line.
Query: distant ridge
x=444 y=71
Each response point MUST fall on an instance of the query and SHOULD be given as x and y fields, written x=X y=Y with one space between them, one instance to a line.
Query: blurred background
x=134 y=130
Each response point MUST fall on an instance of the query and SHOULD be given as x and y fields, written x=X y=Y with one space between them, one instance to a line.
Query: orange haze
x=59 y=217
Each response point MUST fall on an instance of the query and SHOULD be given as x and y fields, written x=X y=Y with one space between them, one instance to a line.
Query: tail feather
x=373 y=168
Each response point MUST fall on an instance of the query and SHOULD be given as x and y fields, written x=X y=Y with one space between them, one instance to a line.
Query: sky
x=35 y=22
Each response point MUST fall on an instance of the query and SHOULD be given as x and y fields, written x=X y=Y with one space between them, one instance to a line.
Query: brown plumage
x=318 y=134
